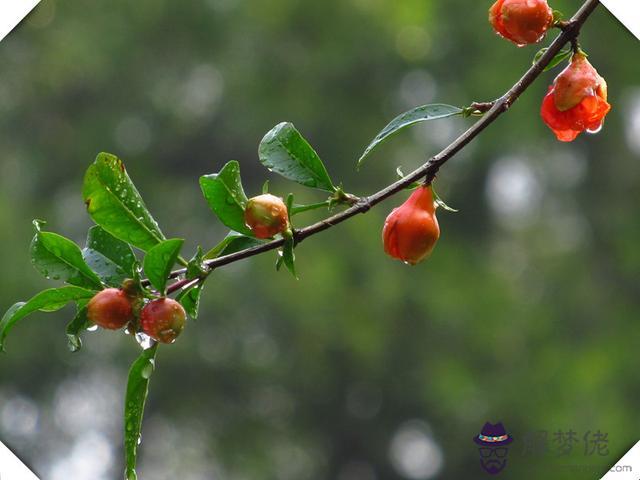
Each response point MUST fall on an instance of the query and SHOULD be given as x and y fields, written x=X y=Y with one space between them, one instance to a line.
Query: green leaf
x=288 y=256
x=412 y=185
x=423 y=113
x=136 y=396
x=560 y=57
x=119 y=252
x=159 y=261
x=114 y=203
x=195 y=267
x=289 y=203
x=233 y=242
x=46 y=301
x=190 y=297
x=557 y=16
x=58 y=258
x=225 y=196
x=79 y=323
x=284 y=151
x=440 y=203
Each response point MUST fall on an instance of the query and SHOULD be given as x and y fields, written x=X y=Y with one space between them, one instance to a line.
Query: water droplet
x=147 y=370
x=92 y=328
x=144 y=340
x=139 y=439
x=595 y=130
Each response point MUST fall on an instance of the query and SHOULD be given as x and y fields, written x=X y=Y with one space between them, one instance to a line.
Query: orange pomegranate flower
x=521 y=21
x=577 y=100
x=411 y=231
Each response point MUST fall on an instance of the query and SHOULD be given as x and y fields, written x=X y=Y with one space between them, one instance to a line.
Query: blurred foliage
x=525 y=313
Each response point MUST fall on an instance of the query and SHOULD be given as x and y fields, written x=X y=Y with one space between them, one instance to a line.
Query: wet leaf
x=288 y=256
x=58 y=258
x=233 y=242
x=412 y=185
x=284 y=151
x=560 y=57
x=225 y=196
x=190 y=298
x=115 y=204
x=46 y=301
x=79 y=323
x=112 y=259
x=159 y=261
x=423 y=113
x=135 y=398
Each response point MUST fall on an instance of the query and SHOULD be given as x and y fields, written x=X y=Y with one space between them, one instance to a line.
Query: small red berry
x=577 y=100
x=266 y=215
x=163 y=319
x=110 y=308
x=411 y=231
x=521 y=21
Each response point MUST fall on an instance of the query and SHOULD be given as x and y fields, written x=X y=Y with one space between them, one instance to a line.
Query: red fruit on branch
x=163 y=319
x=521 y=21
x=110 y=308
x=266 y=215
x=411 y=231
x=577 y=100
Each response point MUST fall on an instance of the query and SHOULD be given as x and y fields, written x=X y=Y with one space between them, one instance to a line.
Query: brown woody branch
x=492 y=110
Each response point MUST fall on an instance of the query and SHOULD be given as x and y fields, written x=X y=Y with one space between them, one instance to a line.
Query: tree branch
x=569 y=33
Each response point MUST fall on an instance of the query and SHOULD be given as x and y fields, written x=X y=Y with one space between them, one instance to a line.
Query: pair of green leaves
x=104 y=261
x=561 y=56
x=282 y=150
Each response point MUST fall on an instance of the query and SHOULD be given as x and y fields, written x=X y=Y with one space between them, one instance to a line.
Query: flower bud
x=266 y=215
x=110 y=308
x=521 y=21
x=411 y=231
x=577 y=100
x=163 y=319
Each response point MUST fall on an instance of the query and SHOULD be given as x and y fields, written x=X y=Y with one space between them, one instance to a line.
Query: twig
x=569 y=33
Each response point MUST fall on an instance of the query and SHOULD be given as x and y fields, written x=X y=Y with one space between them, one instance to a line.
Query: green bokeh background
x=365 y=369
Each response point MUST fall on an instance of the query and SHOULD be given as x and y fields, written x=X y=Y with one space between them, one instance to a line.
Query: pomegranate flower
x=411 y=231
x=521 y=21
x=577 y=100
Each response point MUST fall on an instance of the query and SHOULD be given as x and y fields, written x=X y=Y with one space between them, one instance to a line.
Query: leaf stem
x=312 y=206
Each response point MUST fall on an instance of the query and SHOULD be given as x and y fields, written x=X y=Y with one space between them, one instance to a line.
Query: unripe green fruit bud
x=266 y=215
x=110 y=308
